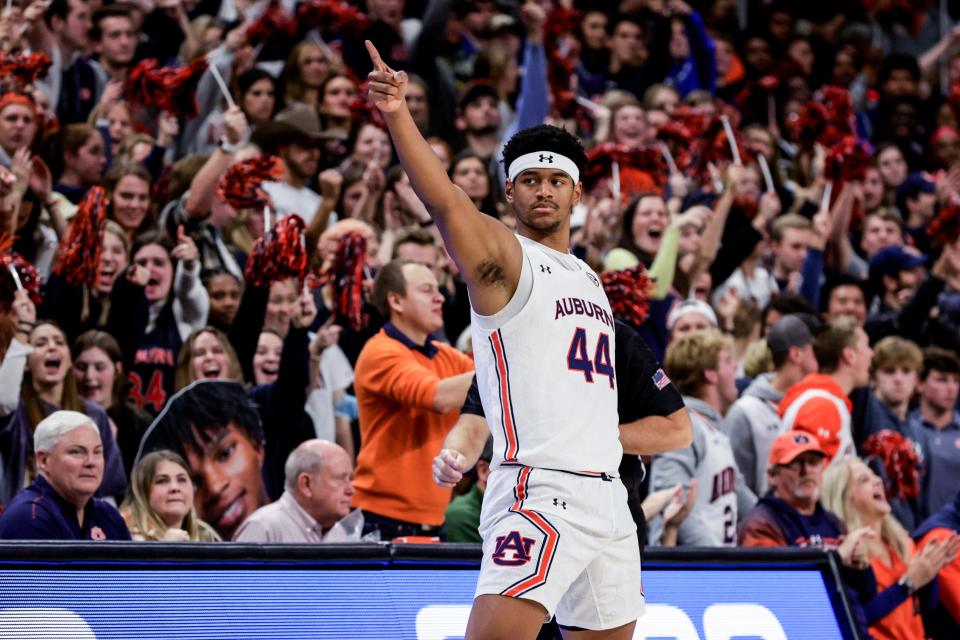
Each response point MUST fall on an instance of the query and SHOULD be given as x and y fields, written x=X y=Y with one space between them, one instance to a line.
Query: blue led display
x=427 y=604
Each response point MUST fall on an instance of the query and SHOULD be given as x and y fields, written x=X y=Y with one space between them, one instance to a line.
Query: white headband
x=543 y=160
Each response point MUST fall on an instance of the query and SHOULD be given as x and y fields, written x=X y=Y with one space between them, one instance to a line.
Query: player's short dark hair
x=108 y=11
x=389 y=280
x=939 y=359
x=203 y=408
x=545 y=137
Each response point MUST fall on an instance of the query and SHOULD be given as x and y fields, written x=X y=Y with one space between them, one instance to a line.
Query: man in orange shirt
x=409 y=391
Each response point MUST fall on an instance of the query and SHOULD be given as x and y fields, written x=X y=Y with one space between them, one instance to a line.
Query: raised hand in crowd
x=186 y=250
x=937 y=554
x=948 y=186
x=138 y=274
x=947 y=266
x=327 y=336
x=9 y=202
x=35 y=10
x=235 y=125
x=769 y=209
x=331 y=182
x=534 y=17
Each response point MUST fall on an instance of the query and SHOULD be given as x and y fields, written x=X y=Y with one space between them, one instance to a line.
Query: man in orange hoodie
x=819 y=403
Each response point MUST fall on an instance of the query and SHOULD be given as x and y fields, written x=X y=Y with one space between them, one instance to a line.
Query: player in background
x=558 y=536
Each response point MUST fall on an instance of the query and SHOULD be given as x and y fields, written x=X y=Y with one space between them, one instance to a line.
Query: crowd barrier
x=381 y=591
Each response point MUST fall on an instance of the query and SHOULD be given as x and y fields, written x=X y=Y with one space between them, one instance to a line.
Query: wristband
x=907 y=584
x=226 y=147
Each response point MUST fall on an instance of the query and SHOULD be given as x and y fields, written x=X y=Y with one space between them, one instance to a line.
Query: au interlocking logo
x=546 y=158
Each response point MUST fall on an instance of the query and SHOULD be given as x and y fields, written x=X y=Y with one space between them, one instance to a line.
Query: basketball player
x=558 y=536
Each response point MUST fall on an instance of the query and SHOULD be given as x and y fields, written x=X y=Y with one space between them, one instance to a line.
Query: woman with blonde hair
x=308 y=65
x=160 y=503
x=853 y=492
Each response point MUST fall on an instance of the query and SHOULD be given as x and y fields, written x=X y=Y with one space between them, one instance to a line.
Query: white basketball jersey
x=716 y=474
x=545 y=368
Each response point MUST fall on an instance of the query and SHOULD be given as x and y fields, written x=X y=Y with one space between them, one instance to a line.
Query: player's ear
x=577 y=193
x=508 y=190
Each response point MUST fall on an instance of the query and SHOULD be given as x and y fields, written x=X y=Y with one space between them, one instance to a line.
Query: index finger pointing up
x=378 y=63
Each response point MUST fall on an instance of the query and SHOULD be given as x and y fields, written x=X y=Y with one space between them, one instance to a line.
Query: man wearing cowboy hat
x=295 y=135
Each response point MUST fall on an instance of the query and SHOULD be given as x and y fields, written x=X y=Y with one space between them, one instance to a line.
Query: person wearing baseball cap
x=917 y=200
x=790 y=514
x=752 y=422
x=895 y=275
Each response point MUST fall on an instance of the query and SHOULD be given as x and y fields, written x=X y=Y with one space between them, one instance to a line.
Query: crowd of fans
x=777 y=182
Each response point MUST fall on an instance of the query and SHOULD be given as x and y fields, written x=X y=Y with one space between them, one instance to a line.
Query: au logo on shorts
x=513 y=550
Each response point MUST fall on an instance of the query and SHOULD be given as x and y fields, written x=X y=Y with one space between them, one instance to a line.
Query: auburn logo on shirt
x=513 y=550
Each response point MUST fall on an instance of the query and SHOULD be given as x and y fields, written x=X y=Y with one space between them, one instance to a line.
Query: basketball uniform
x=555 y=521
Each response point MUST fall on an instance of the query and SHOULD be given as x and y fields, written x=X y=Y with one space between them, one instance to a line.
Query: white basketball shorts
x=564 y=540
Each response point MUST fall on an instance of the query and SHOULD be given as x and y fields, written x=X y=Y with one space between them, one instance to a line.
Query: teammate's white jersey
x=545 y=368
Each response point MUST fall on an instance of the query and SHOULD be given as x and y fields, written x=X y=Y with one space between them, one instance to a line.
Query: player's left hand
x=448 y=468
x=387 y=87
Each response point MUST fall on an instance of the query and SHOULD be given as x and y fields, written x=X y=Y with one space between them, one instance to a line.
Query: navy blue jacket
x=39 y=513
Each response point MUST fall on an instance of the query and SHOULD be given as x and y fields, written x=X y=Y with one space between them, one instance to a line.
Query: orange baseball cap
x=789 y=445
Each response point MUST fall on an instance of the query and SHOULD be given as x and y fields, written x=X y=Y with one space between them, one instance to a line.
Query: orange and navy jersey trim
x=548 y=549
x=602 y=475
x=507 y=423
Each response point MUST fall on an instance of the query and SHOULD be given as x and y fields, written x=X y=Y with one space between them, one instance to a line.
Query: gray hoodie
x=752 y=424
x=721 y=492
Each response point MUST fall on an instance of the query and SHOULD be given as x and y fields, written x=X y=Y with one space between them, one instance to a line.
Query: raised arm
x=487 y=253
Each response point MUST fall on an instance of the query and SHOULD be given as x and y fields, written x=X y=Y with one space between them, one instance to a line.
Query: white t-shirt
x=335 y=374
x=287 y=199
